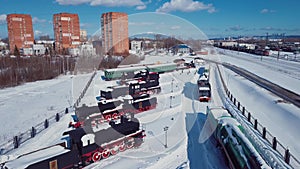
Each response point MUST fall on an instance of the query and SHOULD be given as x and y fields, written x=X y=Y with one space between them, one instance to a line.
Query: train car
x=203 y=80
x=201 y=71
x=139 y=105
x=204 y=88
x=82 y=148
x=204 y=93
x=143 y=87
x=107 y=111
x=130 y=106
x=117 y=73
x=229 y=133
x=162 y=68
x=135 y=87
x=128 y=72
x=104 y=105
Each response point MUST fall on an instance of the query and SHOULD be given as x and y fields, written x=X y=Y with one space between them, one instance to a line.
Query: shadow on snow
x=201 y=155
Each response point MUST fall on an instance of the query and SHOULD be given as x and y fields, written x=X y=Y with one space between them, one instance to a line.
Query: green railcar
x=230 y=134
x=161 y=68
x=117 y=73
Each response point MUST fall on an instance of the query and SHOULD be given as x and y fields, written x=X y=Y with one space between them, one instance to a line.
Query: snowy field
x=282 y=119
x=27 y=105
x=188 y=144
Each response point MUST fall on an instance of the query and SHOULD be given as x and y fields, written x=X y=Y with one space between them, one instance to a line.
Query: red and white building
x=66 y=31
x=20 y=31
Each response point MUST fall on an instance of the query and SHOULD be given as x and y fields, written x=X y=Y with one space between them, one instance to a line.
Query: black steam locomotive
x=142 y=85
x=108 y=110
x=82 y=148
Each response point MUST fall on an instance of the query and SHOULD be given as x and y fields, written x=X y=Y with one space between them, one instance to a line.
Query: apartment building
x=20 y=31
x=114 y=27
x=66 y=31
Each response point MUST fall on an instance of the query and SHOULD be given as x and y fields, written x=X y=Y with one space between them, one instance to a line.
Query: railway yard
x=164 y=122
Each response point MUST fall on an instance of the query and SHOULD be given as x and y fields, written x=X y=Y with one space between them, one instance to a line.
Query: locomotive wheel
x=108 y=117
x=105 y=153
x=129 y=144
x=115 y=116
x=122 y=146
x=96 y=156
x=114 y=150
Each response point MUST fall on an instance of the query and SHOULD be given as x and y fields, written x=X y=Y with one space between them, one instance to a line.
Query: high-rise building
x=20 y=31
x=66 y=31
x=114 y=27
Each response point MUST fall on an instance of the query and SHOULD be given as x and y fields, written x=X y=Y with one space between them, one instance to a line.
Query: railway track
x=285 y=94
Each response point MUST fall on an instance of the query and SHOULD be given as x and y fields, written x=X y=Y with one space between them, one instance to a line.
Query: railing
x=264 y=133
x=16 y=141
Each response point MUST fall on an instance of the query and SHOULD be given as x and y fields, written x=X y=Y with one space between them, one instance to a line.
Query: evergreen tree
x=46 y=52
x=16 y=51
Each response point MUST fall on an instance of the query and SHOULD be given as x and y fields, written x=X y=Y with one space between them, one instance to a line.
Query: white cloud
x=263 y=11
x=72 y=2
x=2 y=19
x=116 y=2
x=37 y=32
x=36 y=20
x=185 y=6
x=141 y=7
x=235 y=28
x=109 y=3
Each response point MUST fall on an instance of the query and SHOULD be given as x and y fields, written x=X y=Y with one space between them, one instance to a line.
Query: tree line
x=18 y=70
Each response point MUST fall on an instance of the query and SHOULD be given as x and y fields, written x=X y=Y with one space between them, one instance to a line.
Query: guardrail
x=284 y=152
x=16 y=141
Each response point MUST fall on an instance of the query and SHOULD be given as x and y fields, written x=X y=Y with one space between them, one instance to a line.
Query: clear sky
x=215 y=18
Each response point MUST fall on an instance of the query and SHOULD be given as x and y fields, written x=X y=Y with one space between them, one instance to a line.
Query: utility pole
x=166 y=136
x=172 y=85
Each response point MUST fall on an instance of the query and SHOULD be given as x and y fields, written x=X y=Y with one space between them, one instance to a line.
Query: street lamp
x=166 y=136
x=72 y=94
x=172 y=85
x=171 y=97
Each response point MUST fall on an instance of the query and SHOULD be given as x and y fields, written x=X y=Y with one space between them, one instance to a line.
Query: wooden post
x=57 y=117
x=243 y=111
x=287 y=156
x=249 y=117
x=264 y=133
x=16 y=142
x=274 y=145
x=255 y=124
x=33 y=132
x=46 y=124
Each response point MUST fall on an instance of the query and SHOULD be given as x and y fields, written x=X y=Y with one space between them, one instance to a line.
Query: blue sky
x=211 y=18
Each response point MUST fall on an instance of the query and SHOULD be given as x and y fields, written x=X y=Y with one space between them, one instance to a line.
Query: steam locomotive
x=108 y=110
x=144 y=82
x=82 y=148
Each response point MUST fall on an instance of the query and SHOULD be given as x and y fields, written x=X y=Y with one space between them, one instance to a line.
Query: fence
x=265 y=134
x=16 y=141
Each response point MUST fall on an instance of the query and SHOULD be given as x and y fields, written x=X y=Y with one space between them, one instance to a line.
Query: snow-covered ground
x=280 y=118
x=27 y=105
x=188 y=144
